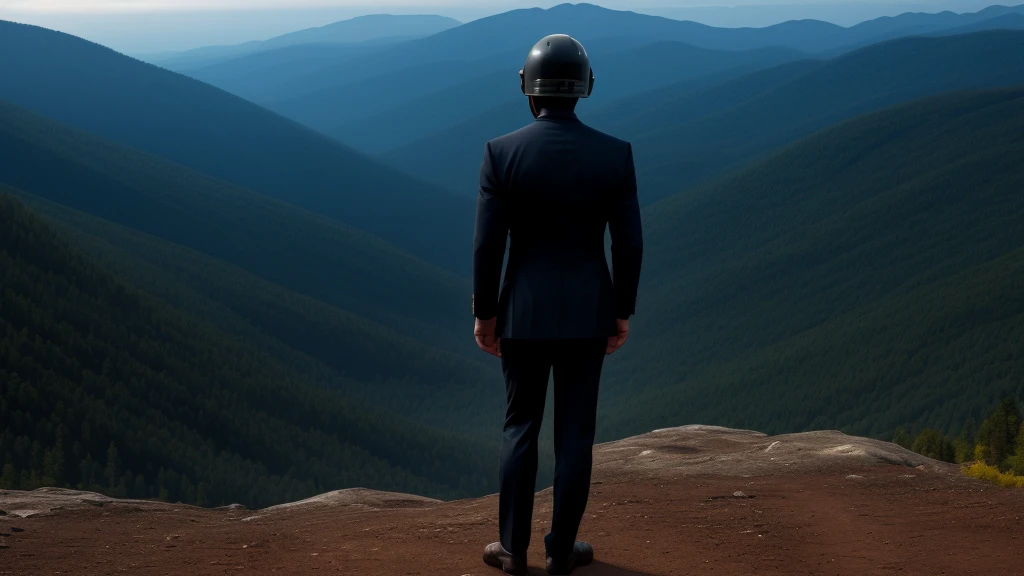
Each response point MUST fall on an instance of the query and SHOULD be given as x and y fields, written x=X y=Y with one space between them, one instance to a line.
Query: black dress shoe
x=495 y=555
x=581 y=555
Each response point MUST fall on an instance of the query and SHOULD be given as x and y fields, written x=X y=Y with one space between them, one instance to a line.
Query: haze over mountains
x=372 y=29
x=196 y=125
x=275 y=250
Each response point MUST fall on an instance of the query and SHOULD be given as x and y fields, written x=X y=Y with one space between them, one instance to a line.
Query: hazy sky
x=146 y=26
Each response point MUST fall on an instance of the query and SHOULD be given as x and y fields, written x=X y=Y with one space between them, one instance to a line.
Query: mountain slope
x=684 y=134
x=299 y=250
x=364 y=359
x=621 y=72
x=113 y=390
x=372 y=28
x=451 y=157
x=465 y=79
x=142 y=106
x=517 y=30
x=676 y=150
x=862 y=278
x=918 y=23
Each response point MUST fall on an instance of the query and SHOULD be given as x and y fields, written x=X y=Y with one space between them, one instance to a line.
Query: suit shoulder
x=607 y=139
x=512 y=138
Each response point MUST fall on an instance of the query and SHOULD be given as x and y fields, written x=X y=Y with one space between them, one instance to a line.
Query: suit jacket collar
x=556 y=114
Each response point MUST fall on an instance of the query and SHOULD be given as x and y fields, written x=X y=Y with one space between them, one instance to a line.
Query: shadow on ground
x=597 y=568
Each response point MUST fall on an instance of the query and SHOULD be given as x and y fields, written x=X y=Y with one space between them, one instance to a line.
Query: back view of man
x=553 y=187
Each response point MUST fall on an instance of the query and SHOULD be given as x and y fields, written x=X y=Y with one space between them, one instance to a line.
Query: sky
x=155 y=26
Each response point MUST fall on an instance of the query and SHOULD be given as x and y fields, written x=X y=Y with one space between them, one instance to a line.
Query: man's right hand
x=486 y=337
x=616 y=342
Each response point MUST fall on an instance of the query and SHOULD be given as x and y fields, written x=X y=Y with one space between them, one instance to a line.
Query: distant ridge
x=684 y=134
x=372 y=28
x=139 y=105
x=846 y=281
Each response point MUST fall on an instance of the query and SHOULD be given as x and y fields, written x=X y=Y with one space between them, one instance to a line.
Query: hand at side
x=616 y=342
x=486 y=336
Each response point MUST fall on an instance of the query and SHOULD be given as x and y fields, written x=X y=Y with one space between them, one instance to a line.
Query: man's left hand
x=486 y=336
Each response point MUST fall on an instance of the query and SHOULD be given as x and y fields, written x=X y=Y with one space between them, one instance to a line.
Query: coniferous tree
x=902 y=437
x=963 y=446
x=997 y=435
x=1017 y=460
x=934 y=444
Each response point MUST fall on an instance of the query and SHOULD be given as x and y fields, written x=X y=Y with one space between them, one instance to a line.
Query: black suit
x=553 y=187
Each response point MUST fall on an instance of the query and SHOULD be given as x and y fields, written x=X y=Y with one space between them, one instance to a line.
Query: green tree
x=902 y=437
x=998 y=434
x=113 y=470
x=934 y=444
x=9 y=479
x=963 y=446
x=1017 y=460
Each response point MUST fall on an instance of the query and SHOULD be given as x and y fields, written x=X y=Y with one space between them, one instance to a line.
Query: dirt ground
x=664 y=504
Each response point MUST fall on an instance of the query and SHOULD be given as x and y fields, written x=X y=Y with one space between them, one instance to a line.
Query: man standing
x=553 y=187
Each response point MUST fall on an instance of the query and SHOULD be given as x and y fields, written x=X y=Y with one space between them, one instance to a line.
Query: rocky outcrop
x=684 y=450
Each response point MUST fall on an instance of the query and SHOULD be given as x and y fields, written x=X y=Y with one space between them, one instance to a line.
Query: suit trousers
x=526 y=365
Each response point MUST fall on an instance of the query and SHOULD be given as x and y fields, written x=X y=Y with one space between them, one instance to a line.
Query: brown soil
x=662 y=504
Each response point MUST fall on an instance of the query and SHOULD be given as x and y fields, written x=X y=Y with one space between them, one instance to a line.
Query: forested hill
x=866 y=277
x=103 y=387
x=294 y=248
x=139 y=105
x=692 y=132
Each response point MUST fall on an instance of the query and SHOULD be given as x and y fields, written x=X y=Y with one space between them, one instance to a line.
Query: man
x=552 y=187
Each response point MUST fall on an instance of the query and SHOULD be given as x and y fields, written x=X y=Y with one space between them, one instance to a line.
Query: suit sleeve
x=627 y=241
x=489 y=240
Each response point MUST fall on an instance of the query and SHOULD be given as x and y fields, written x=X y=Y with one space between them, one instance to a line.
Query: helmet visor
x=557 y=88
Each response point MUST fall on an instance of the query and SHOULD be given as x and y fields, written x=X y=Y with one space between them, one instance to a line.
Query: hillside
x=288 y=246
x=675 y=150
x=862 y=278
x=142 y=106
x=106 y=388
x=687 y=133
x=698 y=500
x=517 y=30
x=451 y=157
x=385 y=366
x=622 y=72
x=371 y=28
x=513 y=32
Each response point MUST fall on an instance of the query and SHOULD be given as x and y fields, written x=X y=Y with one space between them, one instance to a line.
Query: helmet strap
x=533 y=107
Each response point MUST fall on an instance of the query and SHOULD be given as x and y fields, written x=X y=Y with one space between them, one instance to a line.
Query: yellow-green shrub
x=983 y=471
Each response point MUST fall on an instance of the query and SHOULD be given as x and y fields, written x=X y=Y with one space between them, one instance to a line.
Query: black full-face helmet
x=558 y=67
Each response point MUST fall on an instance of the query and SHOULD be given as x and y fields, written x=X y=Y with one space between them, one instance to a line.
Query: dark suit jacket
x=552 y=187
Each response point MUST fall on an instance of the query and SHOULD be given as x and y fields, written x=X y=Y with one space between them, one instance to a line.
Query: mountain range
x=139 y=105
x=207 y=301
x=863 y=277
x=373 y=29
x=504 y=38
x=696 y=130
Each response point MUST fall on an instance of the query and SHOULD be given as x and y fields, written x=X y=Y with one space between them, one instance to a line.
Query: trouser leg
x=577 y=371
x=526 y=366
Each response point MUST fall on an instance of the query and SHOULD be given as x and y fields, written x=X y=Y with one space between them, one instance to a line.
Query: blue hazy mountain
x=261 y=77
x=157 y=395
x=1012 y=21
x=374 y=29
x=864 y=277
x=619 y=73
x=452 y=155
x=295 y=248
x=677 y=149
x=919 y=23
x=684 y=134
x=164 y=113
x=517 y=30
